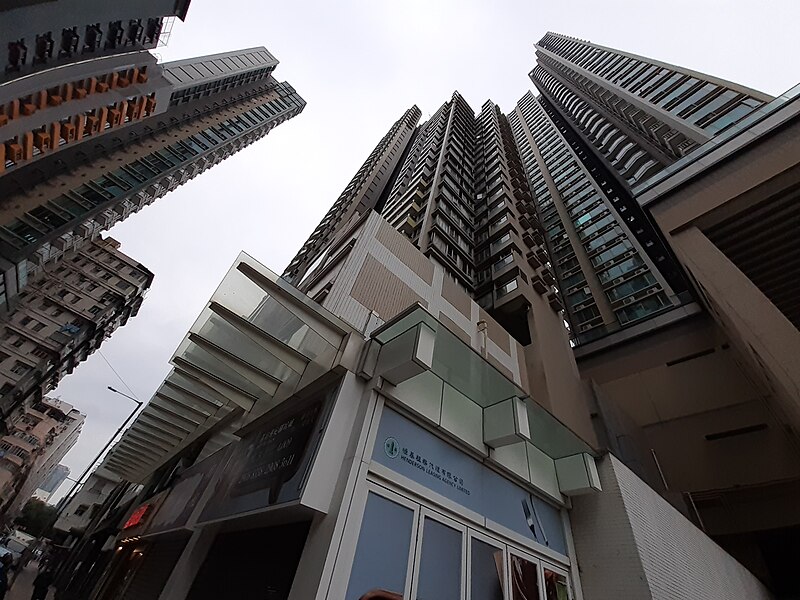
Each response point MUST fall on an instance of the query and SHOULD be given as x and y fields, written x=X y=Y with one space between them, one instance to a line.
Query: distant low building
x=51 y=483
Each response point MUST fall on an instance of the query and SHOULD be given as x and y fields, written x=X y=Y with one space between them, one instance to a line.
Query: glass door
x=440 y=558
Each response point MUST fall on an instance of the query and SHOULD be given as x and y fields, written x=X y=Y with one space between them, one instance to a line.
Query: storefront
x=405 y=459
x=429 y=521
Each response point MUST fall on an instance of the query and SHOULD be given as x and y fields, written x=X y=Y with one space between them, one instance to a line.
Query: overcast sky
x=359 y=65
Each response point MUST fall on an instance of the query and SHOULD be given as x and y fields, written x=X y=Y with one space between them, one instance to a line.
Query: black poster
x=273 y=456
x=268 y=466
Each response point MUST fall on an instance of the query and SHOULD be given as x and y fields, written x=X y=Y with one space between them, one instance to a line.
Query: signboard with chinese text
x=412 y=451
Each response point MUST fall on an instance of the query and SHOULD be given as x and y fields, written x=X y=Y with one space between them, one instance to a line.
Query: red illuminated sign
x=138 y=516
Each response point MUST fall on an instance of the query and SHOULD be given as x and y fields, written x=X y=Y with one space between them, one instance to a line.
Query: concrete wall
x=631 y=543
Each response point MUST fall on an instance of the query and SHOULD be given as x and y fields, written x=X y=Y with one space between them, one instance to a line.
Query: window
x=486 y=571
x=40 y=352
x=381 y=560
x=38 y=326
x=81 y=510
x=20 y=368
x=555 y=586
x=507 y=288
x=524 y=579
x=95 y=309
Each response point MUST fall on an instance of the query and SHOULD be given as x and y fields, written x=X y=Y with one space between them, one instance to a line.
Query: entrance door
x=254 y=563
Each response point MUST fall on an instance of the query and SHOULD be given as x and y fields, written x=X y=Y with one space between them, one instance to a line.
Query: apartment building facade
x=64 y=315
x=119 y=138
x=39 y=436
x=638 y=113
x=41 y=36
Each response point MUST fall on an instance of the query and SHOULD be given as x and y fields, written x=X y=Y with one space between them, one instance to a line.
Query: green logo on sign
x=391 y=447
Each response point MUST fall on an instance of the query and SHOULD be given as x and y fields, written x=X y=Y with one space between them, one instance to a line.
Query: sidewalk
x=23 y=584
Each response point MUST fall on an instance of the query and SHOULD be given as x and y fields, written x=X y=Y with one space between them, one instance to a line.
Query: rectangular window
x=524 y=579
x=486 y=571
x=20 y=368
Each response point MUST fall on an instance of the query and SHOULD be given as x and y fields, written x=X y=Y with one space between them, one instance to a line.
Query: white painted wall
x=631 y=543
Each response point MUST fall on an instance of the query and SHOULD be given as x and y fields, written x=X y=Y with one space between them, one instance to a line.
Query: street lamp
x=100 y=454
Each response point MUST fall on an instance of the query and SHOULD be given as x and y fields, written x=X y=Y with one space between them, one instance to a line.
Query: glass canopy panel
x=177 y=380
x=208 y=363
x=245 y=298
x=456 y=364
x=468 y=372
x=219 y=332
x=186 y=401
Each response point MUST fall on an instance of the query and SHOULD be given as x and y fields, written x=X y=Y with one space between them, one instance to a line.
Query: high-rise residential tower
x=612 y=267
x=164 y=126
x=462 y=197
x=362 y=194
x=637 y=113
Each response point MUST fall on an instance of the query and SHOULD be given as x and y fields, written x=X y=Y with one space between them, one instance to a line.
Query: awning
x=257 y=340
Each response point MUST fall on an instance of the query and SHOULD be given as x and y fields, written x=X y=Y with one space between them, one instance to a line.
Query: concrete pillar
x=188 y=565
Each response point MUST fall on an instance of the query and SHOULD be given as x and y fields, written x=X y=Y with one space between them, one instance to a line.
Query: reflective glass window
x=486 y=572
x=555 y=586
x=381 y=560
x=440 y=562
x=524 y=579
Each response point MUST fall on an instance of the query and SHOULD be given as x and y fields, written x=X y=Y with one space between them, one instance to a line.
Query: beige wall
x=730 y=182
x=685 y=383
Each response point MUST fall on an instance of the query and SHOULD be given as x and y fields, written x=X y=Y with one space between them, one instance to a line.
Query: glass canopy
x=254 y=344
x=457 y=366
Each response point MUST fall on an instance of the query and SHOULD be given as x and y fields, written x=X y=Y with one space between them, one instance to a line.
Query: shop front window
x=555 y=586
x=486 y=571
x=408 y=551
x=440 y=563
x=524 y=579
x=381 y=561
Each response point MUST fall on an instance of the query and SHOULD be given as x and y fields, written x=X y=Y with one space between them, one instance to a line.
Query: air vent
x=734 y=432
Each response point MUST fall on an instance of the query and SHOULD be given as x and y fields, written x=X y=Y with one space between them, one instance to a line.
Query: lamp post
x=64 y=501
